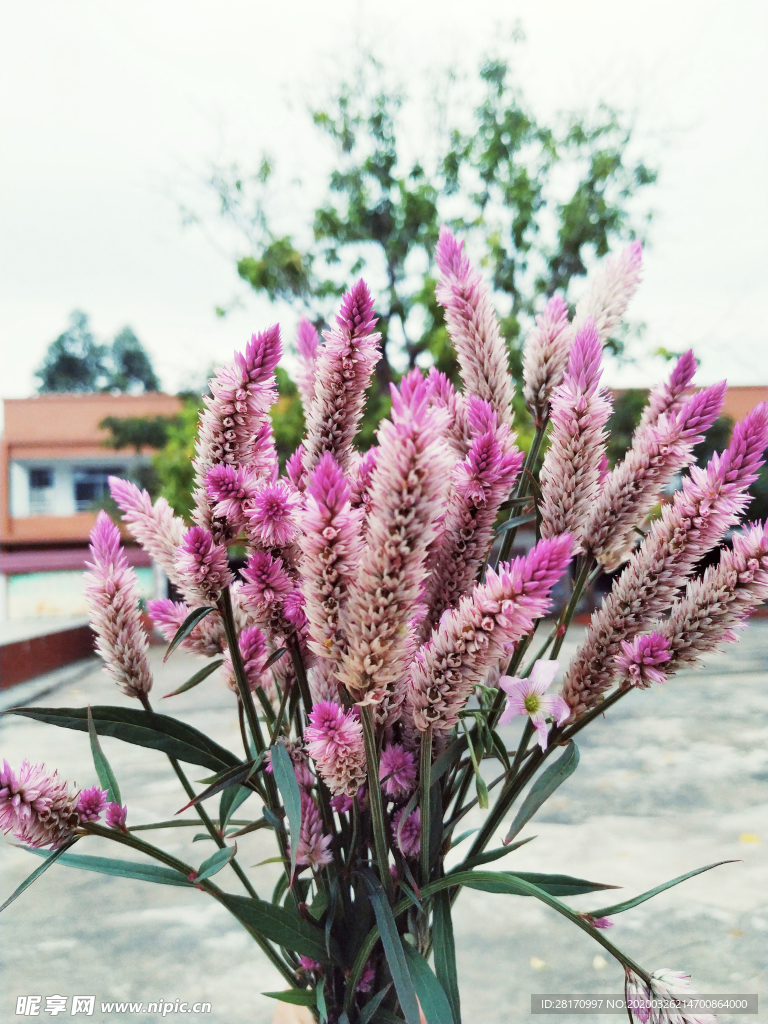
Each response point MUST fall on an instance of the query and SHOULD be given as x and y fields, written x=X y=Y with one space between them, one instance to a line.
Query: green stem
x=522 y=487
x=374 y=797
x=424 y=782
x=228 y=617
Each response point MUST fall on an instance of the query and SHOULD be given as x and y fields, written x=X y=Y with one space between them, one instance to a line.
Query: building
x=53 y=473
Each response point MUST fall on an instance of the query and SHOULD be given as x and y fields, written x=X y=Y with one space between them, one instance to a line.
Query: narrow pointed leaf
x=618 y=908
x=50 y=859
x=231 y=800
x=321 y=1007
x=295 y=996
x=198 y=677
x=282 y=927
x=445 y=953
x=185 y=629
x=393 y=948
x=543 y=788
x=275 y=656
x=124 y=869
x=463 y=836
x=319 y=904
x=143 y=728
x=560 y=885
x=213 y=864
x=254 y=826
x=373 y=1004
x=515 y=521
x=285 y=777
x=433 y=1000
x=488 y=856
x=101 y=764
x=231 y=778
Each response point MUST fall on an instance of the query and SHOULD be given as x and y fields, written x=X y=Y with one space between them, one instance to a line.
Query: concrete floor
x=672 y=779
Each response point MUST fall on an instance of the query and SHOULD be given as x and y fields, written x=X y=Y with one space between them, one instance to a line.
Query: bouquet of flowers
x=381 y=632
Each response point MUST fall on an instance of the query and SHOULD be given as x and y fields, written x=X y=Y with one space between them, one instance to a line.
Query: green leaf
x=231 y=777
x=275 y=656
x=213 y=864
x=373 y=1004
x=514 y=522
x=254 y=826
x=198 y=677
x=296 y=996
x=142 y=728
x=560 y=885
x=447 y=759
x=51 y=858
x=103 y=769
x=285 y=777
x=445 y=953
x=125 y=869
x=322 y=1009
x=501 y=750
x=434 y=1002
x=618 y=908
x=282 y=927
x=185 y=629
x=488 y=856
x=546 y=784
x=463 y=836
x=231 y=800
x=393 y=948
x=319 y=904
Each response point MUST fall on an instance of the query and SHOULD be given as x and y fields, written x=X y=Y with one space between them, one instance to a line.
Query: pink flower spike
x=640 y=657
x=398 y=767
x=116 y=816
x=203 y=565
x=39 y=807
x=91 y=803
x=526 y=697
x=545 y=355
x=407 y=832
x=267 y=580
x=609 y=291
x=307 y=344
x=229 y=487
x=272 y=514
x=597 y=922
x=335 y=743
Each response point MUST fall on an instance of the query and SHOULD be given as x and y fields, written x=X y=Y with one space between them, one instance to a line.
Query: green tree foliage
x=131 y=367
x=173 y=463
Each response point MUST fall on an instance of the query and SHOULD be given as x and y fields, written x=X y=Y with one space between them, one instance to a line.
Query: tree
x=131 y=367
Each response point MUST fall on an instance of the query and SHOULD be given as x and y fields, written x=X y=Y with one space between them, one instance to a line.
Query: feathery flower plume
x=479 y=484
x=717 y=603
x=253 y=648
x=360 y=477
x=39 y=808
x=658 y=1003
x=408 y=835
x=154 y=527
x=313 y=848
x=545 y=357
x=570 y=476
x=229 y=489
x=640 y=658
x=91 y=803
x=670 y=397
x=607 y=297
x=474 y=638
x=443 y=394
x=307 y=344
x=116 y=816
x=323 y=684
x=271 y=514
x=710 y=501
x=407 y=489
x=398 y=767
x=113 y=610
x=234 y=426
x=207 y=639
x=203 y=565
x=334 y=740
x=473 y=327
x=633 y=488
x=529 y=697
x=294 y=469
x=331 y=543
x=343 y=370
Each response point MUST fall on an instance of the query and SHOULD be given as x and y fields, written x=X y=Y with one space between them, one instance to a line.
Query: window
x=91 y=487
x=40 y=478
x=40 y=488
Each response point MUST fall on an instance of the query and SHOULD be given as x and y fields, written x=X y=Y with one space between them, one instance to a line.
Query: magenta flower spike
x=207 y=639
x=111 y=592
x=570 y=476
x=203 y=566
x=91 y=804
x=334 y=740
x=343 y=370
x=154 y=527
x=609 y=291
x=38 y=808
x=640 y=658
x=710 y=501
x=272 y=514
x=116 y=816
x=669 y=398
x=313 y=849
x=545 y=357
x=474 y=638
x=307 y=344
x=407 y=490
x=230 y=490
x=253 y=648
x=529 y=697
x=331 y=543
x=474 y=328
x=398 y=767
x=407 y=833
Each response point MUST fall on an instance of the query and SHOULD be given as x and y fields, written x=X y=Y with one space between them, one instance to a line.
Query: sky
x=110 y=115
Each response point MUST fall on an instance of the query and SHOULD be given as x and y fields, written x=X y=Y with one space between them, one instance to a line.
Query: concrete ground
x=672 y=779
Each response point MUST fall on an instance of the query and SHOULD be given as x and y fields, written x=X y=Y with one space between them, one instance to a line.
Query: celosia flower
x=640 y=657
x=206 y=639
x=408 y=834
x=267 y=580
x=229 y=488
x=203 y=565
x=545 y=356
x=253 y=649
x=308 y=964
x=91 y=803
x=341 y=803
x=331 y=542
x=39 y=808
x=670 y=397
x=116 y=816
x=475 y=637
x=407 y=492
x=609 y=291
x=154 y=527
x=360 y=480
x=667 y=983
x=307 y=344
x=111 y=592
x=335 y=743
x=597 y=922
x=398 y=768
x=443 y=394
x=529 y=697
x=343 y=370
x=367 y=978
x=313 y=847
x=708 y=504
x=271 y=514
x=633 y=488
x=663 y=1002
x=294 y=469
x=298 y=755
x=474 y=328
x=570 y=475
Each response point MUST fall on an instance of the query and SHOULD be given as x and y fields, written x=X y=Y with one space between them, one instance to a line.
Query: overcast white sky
x=108 y=111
